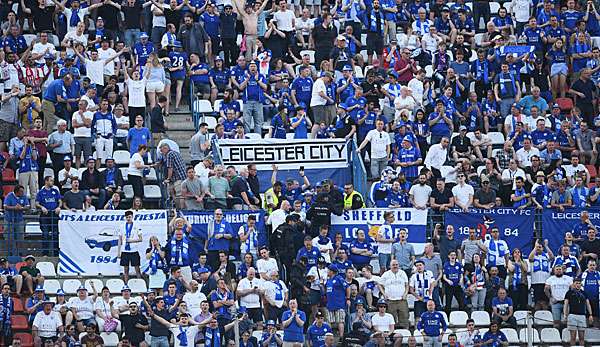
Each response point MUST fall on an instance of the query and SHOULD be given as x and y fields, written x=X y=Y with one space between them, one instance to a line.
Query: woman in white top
x=135 y=171
x=156 y=78
x=136 y=94
x=104 y=310
x=405 y=103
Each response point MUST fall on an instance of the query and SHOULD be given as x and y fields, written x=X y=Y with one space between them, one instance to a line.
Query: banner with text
x=516 y=226
x=555 y=224
x=369 y=220
x=199 y=221
x=89 y=241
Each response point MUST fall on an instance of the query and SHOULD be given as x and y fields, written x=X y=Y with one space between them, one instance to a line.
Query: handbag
x=110 y=325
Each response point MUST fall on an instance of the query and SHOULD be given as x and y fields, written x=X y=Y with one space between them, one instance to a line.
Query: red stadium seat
x=592 y=170
x=7 y=189
x=19 y=264
x=565 y=104
x=26 y=339
x=8 y=175
x=18 y=304
x=19 y=322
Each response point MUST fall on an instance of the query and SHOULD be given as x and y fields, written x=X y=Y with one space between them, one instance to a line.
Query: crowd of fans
x=423 y=88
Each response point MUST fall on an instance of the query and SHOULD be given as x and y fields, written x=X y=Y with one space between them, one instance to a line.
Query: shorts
x=176 y=186
x=384 y=260
x=7 y=131
x=557 y=311
x=202 y=88
x=321 y=115
x=559 y=69
x=336 y=316
x=86 y=322
x=130 y=258
x=576 y=322
x=155 y=87
x=104 y=148
x=312 y=2
x=538 y=293
x=374 y=44
x=83 y=144
x=177 y=77
x=255 y=314
x=314 y=297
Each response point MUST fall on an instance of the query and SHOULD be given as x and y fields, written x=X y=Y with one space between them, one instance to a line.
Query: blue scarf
x=496 y=250
x=479 y=279
x=373 y=25
x=503 y=90
x=482 y=70
x=30 y=112
x=110 y=176
x=170 y=37
x=278 y=291
x=6 y=305
x=423 y=286
x=182 y=337
x=212 y=337
x=254 y=242
x=128 y=229
x=516 y=276
x=541 y=262
x=179 y=254
x=155 y=262
x=579 y=196
x=74 y=20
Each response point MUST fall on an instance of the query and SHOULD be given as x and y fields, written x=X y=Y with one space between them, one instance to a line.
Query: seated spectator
x=67 y=174
x=432 y=325
x=73 y=199
x=461 y=146
x=494 y=336
x=361 y=250
x=485 y=197
x=482 y=144
x=520 y=198
x=588 y=153
x=113 y=178
x=502 y=309
x=561 y=198
x=92 y=183
x=32 y=277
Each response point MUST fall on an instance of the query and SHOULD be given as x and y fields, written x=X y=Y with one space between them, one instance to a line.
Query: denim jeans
x=159 y=341
x=49 y=227
x=253 y=111
x=131 y=36
x=16 y=234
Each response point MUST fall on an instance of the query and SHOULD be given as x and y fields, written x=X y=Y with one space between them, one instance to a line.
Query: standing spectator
x=175 y=168
x=48 y=200
x=576 y=308
x=404 y=253
x=62 y=143
x=317 y=332
x=395 y=285
x=40 y=138
x=432 y=326
x=463 y=193
x=585 y=92
x=337 y=294
x=293 y=321
x=518 y=270
x=422 y=283
x=385 y=237
x=253 y=88
x=192 y=191
x=91 y=183
x=506 y=90
x=541 y=257
x=138 y=135
x=447 y=242
x=437 y=156
x=322 y=38
x=453 y=276
x=497 y=252
x=82 y=133
x=319 y=101
x=220 y=235
x=556 y=289
x=74 y=198
x=380 y=148
x=8 y=116
x=127 y=250
x=15 y=203
x=104 y=128
x=420 y=192
x=135 y=171
x=157 y=120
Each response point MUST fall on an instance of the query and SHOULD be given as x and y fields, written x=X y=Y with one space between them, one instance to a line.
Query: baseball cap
x=341 y=38
x=90 y=158
x=555 y=106
x=67 y=158
x=319 y=314
x=29 y=257
x=125 y=288
x=347 y=68
x=143 y=35
x=39 y=288
x=540 y=174
x=462 y=127
x=203 y=270
x=270 y=322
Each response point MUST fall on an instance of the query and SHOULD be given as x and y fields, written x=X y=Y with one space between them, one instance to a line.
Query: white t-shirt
x=379 y=142
x=63 y=173
x=284 y=20
x=272 y=291
x=104 y=306
x=420 y=193
x=136 y=90
x=160 y=20
x=122 y=302
x=132 y=170
x=266 y=266
x=559 y=286
x=394 y=284
x=250 y=300
x=251 y=243
x=83 y=131
x=521 y=9
x=90 y=102
x=571 y=170
x=85 y=307
x=193 y=301
x=316 y=99
x=382 y=323
x=461 y=194
x=81 y=13
x=47 y=324
x=417 y=89
x=40 y=48
x=385 y=232
x=323 y=248
x=104 y=54
x=524 y=156
x=95 y=71
x=133 y=246
x=72 y=35
x=190 y=332
x=120 y=121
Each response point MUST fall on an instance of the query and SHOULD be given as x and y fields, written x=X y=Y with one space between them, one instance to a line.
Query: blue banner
x=199 y=221
x=369 y=220
x=555 y=224
x=516 y=226
x=520 y=50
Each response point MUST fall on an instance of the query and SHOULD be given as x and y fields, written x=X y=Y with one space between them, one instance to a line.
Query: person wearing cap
x=34 y=304
x=82 y=307
x=141 y=49
x=269 y=336
x=317 y=332
x=300 y=122
x=348 y=84
x=484 y=197
x=340 y=56
x=47 y=324
x=337 y=298
x=344 y=125
x=10 y=276
x=105 y=311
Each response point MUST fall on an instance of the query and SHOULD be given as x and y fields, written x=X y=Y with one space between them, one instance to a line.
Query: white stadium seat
x=542 y=318
x=458 y=318
x=481 y=318
x=70 y=286
x=110 y=339
x=496 y=137
x=97 y=283
x=32 y=229
x=550 y=335
x=137 y=285
x=152 y=192
x=46 y=268
x=121 y=157
x=115 y=285
x=511 y=335
x=128 y=191
x=51 y=286
x=202 y=106
x=211 y=122
x=524 y=337
x=521 y=317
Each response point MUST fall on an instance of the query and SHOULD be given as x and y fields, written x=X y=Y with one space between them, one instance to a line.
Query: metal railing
x=359 y=173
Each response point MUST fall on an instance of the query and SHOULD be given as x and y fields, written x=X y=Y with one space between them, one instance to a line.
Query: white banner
x=89 y=240
x=286 y=154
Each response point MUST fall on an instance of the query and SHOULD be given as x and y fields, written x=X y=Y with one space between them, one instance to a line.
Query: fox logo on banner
x=516 y=226
x=89 y=241
x=370 y=219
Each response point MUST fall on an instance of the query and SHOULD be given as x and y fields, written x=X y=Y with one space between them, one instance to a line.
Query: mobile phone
x=302 y=168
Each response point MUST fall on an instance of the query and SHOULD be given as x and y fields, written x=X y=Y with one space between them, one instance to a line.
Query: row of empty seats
x=114 y=285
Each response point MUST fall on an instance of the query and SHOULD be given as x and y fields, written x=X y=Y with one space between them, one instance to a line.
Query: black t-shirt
x=441 y=197
x=588 y=246
x=132 y=15
x=341 y=57
x=577 y=301
x=461 y=144
x=158 y=329
x=323 y=38
x=374 y=89
x=586 y=88
x=173 y=17
x=110 y=15
x=128 y=323
x=485 y=197
x=277 y=45
x=345 y=130
x=74 y=200
x=238 y=187
x=43 y=19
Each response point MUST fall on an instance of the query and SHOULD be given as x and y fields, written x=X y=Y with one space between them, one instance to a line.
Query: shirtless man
x=249 y=16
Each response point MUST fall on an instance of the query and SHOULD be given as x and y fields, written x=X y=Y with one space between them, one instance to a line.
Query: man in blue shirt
x=252 y=89
x=302 y=87
x=300 y=123
x=142 y=50
x=54 y=104
x=48 y=200
x=309 y=251
x=361 y=250
x=293 y=321
x=432 y=326
x=220 y=235
x=316 y=332
x=14 y=205
x=337 y=292
x=440 y=122
x=506 y=89
x=138 y=135
x=502 y=309
x=494 y=337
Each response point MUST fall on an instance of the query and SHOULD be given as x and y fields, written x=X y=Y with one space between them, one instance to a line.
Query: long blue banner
x=516 y=226
x=199 y=221
x=555 y=224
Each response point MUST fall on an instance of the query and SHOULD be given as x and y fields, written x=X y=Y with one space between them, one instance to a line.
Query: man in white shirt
x=46 y=325
x=319 y=100
x=265 y=264
x=498 y=253
x=248 y=291
x=575 y=168
x=394 y=286
x=421 y=26
x=556 y=287
x=41 y=48
x=383 y=322
x=286 y=20
x=463 y=193
x=275 y=294
x=82 y=133
x=419 y=193
x=66 y=174
x=510 y=175
x=436 y=156
x=524 y=154
x=416 y=85
x=469 y=337
x=279 y=216
x=380 y=148
x=105 y=53
x=194 y=299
